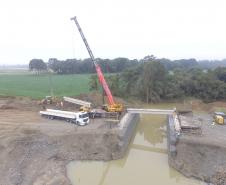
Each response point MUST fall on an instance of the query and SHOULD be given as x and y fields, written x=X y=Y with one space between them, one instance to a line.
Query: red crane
x=112 y=106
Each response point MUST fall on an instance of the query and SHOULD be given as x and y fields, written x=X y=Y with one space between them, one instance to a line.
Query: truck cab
x=82 y=118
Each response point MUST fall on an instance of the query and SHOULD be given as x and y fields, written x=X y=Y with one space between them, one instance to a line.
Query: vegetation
x=39 y=86
x=151 y=82
x=149 y=79
x=37 y=65
x=74 y=66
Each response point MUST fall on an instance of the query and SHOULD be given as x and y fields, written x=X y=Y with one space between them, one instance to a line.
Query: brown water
x=146 y=161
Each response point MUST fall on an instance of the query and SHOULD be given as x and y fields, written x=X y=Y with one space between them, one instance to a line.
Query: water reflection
x=153 y=130
x=145 y=163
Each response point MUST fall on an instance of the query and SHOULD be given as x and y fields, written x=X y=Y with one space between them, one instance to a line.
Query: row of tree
x=149 y=79
x=151 y=82
x=75 y=66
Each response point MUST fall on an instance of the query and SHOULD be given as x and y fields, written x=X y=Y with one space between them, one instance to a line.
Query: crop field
x=22 y=83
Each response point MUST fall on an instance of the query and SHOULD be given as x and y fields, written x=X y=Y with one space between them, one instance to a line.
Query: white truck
x=79 y=118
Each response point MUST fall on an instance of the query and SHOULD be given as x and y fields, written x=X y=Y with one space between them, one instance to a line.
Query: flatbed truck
x=79 y=118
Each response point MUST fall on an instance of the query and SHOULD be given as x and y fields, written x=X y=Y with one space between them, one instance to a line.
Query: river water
x=146 y=161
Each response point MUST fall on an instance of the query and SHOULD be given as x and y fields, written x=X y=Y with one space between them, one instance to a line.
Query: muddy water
x=146 y=161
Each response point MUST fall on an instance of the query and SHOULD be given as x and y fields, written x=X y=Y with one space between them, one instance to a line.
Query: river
x=146 y=161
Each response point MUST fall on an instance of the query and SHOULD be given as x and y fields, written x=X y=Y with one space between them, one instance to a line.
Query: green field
x=38 y=86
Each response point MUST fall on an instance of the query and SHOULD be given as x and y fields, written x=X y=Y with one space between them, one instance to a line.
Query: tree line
x=78 y=66
x=150 y=81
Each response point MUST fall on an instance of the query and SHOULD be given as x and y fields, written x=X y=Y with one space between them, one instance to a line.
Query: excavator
x=111 y=106
x=219 y=118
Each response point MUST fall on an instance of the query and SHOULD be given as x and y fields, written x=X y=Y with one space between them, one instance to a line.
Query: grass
x=38 y=86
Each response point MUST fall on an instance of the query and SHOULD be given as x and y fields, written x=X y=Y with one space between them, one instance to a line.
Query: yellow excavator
x=219 y=118
x=48 y=100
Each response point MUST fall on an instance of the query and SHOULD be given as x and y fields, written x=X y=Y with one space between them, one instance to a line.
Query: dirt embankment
x=200 y=154
x=198 y=105
x=35 y=150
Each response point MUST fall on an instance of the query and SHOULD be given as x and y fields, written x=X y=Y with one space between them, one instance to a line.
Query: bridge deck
x=150 y=111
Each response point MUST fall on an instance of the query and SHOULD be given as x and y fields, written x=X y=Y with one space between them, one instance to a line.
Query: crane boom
x=97 y=67
x=84 y=39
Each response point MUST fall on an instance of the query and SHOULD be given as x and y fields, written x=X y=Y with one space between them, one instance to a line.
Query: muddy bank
x=201 y=155
x=34 y=150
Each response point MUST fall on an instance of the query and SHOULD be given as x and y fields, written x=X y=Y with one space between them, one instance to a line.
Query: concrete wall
x=127 y=128
x=172 y=137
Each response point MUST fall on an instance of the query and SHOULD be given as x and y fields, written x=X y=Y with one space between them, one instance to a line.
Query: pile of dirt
x=20 y=103
x=5 y=107
x=198 y=105
x=219 y=178
x=94 y=97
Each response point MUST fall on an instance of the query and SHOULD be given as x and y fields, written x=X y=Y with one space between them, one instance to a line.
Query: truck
x=78 y=118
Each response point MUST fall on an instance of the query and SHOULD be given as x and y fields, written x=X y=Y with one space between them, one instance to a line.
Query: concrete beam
x=77 y=101
x=150 y=111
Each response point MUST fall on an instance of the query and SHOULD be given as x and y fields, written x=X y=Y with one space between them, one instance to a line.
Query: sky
x=173 y=29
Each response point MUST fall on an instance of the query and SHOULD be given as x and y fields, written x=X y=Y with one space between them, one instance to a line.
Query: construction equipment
x=48 y=100
x=85 y=106
x=112 y=106
x=79 y=118
x=219 y=118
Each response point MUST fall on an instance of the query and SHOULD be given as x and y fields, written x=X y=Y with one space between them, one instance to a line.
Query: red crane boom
x=97 y=67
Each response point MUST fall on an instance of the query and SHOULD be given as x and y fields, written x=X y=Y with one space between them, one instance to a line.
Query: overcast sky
x=114 y=28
